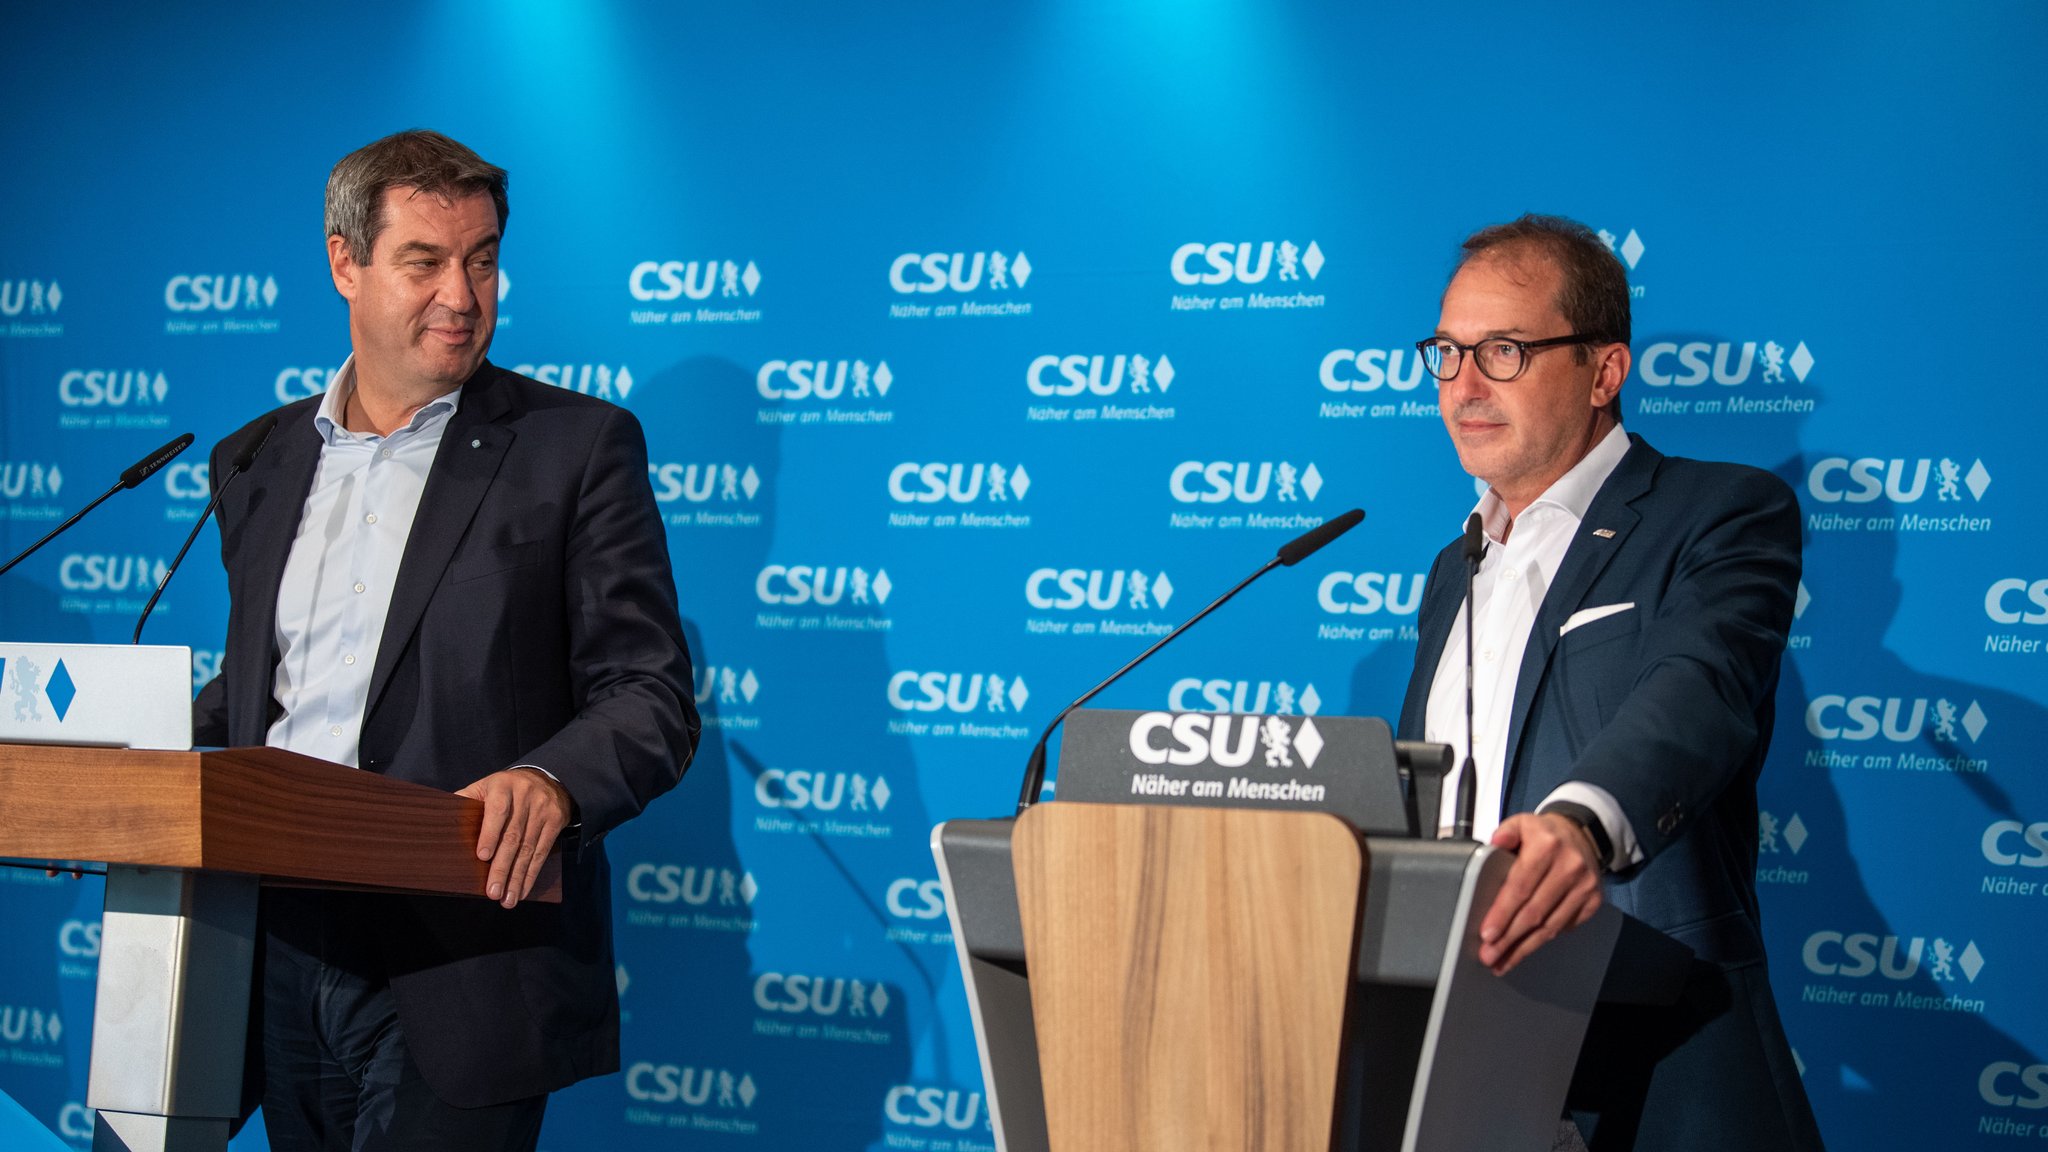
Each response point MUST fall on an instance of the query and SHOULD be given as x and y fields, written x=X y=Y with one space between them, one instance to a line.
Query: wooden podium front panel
x=1189 y=973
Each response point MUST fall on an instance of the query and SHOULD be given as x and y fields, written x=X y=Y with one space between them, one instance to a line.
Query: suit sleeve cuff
x=1624 y=852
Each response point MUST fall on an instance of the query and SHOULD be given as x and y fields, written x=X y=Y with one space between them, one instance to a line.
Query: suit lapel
x=272 y=502
x=1609 y=520
x=1441 y=598
x=472 y=447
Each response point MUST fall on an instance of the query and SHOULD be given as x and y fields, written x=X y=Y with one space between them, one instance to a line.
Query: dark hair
x=418 y=159
x=1594 y=294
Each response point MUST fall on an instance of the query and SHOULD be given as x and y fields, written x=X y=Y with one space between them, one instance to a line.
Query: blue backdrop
x=977 y=344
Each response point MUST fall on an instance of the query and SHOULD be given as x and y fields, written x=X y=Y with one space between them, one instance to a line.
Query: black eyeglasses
x=1499 y=358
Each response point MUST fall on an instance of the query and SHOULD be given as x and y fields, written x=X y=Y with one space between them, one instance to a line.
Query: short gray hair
x=418 y=159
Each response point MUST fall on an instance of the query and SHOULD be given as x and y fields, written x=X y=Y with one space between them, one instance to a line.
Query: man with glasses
x=1629 y=613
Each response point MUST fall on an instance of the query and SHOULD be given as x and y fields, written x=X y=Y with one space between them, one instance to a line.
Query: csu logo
x=821 y=791
x=20 y=1025
x=1895 y=718
x=674 y=1084
x=299 y=383
x=1067 y=589
x=29 y=296
x=730 y=685
x=910 y=898
x=79 y=938
x=188 y=481
x=600 y=380
x=954 y=692
x=1862 y=480
x=651 y=883
x=912 y=483
x=1097 y=375
x=1189 y=738
x=23 y=479
x=1368 y=593
x=107 y=572
x=933 y=1107
x=2029 y=851
x=80 y=388
x=697 y=279
x=819 y=995
x=1248 y=262
x=2031 y=609
x=1996 y=1084
x=205 y=666
x=805 y=584
x=957 y=271
x=1862 y=954
x=824 y=379
x=1200 y=482
x=1193 y=694
x=220 y=293
x=1370 y=369
x=1693 y=363
x=702 y=483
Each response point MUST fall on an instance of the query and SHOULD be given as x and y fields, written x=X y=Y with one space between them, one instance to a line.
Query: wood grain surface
x=1189 y=973
x=263 y=811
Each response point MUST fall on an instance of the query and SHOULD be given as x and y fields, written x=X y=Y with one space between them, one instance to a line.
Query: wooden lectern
x=188 y=839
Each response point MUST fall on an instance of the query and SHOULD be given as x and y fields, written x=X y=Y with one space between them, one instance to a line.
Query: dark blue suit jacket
x=1668 y=706
x=533 y=621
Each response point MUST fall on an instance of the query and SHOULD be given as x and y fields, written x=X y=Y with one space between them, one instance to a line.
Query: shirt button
x=370 y=519
x=1487 y=655
x=1508 y=575
x=334 y=731
x=386 y=454
x=359 y=587
x=349 y=659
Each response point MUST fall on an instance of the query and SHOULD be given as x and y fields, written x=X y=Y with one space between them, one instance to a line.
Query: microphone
x=1468 y=781
x=236 y=467
x=1291 y=553
x=133 y=475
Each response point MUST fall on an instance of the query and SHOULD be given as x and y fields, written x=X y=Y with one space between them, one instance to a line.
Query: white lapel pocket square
x=1588 y=615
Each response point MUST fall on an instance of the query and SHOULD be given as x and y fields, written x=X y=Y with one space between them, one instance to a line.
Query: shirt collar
x=329 y=419
x=1572 y=492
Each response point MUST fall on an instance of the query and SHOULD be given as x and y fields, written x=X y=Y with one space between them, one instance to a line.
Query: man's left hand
x=524 y=810
x=1553 y=886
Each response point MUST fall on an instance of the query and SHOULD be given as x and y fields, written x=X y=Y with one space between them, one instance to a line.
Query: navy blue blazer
x=1668 y=705
x=533 y=621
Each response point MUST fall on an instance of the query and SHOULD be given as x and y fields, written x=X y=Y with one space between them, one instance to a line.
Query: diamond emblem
x=55 y=479
x=55 y=1028
x=1020 y=269
x=1977 y=479
x=624 y=381
x=879 y=999
x=881 y=586
x=1800 y=602
x=269 y=291
x=61 y=690
x=1311 y=701
x=751 y=277
x=1632 y=249
x=1795 y=833
x=623 y=980
x=1974 y=721
x=880 y=793
x=54 y=296
x=1163 y=374
x=1018 y=694
x=1308 y=742
x=1162 y=590
x=883 y=378
x=1801 y=361
x=161 y=387
x=750 y=482
x=1020 y=482
x=749 y=684
x=747 y=1091
x=1313 y=260
x=748 y=888
x=1311 y=481
x=1972 y=961
x=504 y=285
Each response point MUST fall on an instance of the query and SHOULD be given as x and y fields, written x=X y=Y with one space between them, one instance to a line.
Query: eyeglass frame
x=1524 y=347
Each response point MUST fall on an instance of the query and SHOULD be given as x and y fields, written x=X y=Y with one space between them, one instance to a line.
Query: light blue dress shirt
x=344 y=559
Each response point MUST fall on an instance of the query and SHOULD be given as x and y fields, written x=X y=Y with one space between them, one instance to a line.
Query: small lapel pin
x=1604 y=533
x=479 y=444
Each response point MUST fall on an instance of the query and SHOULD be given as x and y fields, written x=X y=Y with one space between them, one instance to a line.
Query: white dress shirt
x=344 y=559
x=1514 y=576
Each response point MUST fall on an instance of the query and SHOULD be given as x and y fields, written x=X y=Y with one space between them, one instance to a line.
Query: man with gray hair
x=450 y=574
x=1628 y=618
